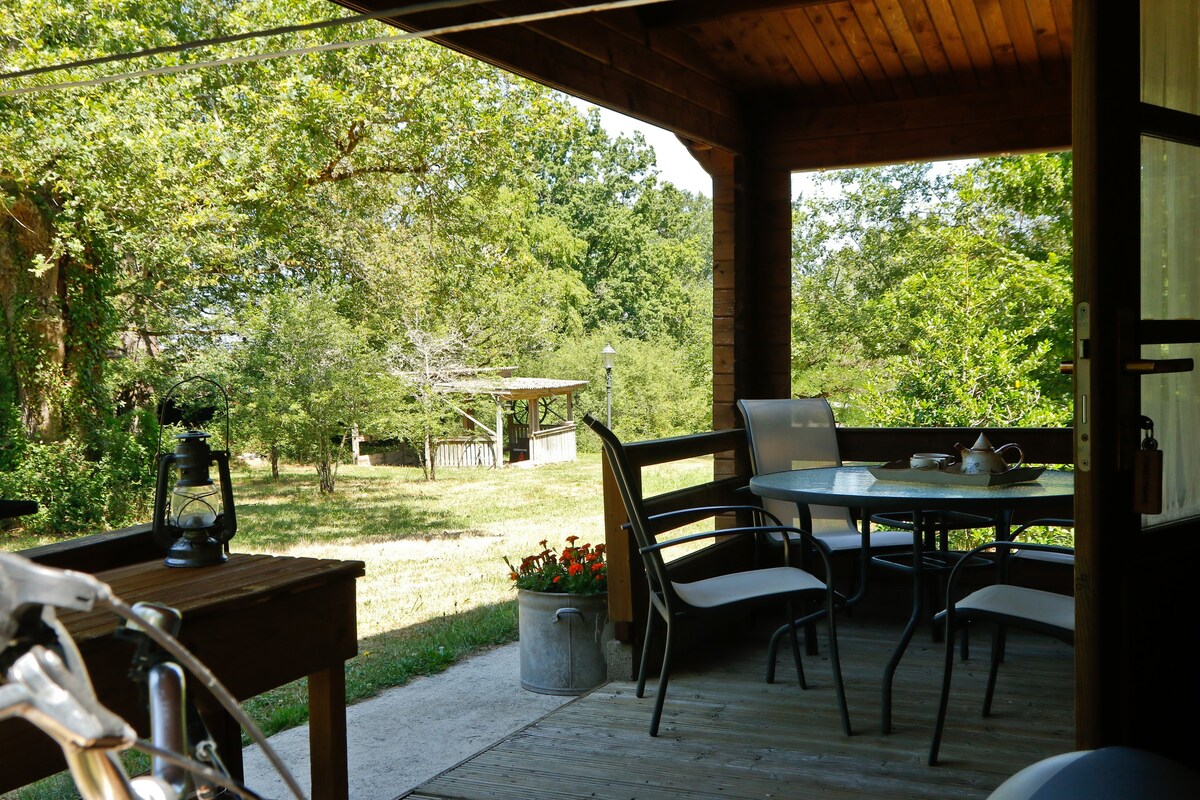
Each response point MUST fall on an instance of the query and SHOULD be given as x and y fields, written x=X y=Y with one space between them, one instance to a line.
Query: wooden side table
x=258 y=622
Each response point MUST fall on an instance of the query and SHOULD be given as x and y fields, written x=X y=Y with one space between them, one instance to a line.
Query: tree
x=423 y=360
x=925 y=299
x=307 y=378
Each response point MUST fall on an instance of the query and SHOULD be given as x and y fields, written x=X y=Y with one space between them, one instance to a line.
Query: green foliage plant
x=926 y=298
x=578 y=569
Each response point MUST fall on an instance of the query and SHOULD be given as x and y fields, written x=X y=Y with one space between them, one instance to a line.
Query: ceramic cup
x=929 y=460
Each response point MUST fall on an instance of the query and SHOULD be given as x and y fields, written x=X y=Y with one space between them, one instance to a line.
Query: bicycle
x=47 y=684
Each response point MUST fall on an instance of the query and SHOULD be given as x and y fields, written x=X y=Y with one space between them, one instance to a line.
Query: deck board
x=726 y=733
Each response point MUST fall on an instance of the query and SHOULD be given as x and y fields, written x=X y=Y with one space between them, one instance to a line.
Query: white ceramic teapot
x=983 y=458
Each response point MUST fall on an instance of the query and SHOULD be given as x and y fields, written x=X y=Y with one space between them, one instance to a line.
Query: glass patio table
x=857 y=489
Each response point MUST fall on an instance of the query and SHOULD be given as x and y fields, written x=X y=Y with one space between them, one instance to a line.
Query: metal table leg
x=889 y=672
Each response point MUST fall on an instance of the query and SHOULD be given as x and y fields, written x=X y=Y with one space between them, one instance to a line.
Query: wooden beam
x=693 y=12
x=655 y=83
x=979 y=124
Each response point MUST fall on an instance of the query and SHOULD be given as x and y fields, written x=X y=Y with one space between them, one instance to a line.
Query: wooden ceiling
x=798 y=83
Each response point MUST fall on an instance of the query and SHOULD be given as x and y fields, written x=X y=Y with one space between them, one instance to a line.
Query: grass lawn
x=436 y=588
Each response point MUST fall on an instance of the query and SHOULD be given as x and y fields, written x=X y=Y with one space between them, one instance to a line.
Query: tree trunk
x=326 y=477
x=55 y=321
x=274 y=450
x=430 y=467
x=32 y=324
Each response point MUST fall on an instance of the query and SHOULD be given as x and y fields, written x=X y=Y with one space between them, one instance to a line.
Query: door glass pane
x=1171 y=54
x=1171 y=290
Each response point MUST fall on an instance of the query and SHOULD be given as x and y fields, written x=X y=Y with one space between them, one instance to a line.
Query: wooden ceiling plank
x=693 y=12
x=826 y=26
x=1024 y=42
x=884 y=84
x=1055 y=62
x=908 y=21
x=538 y=59
x=771 y=69
x=966 y=16
x=585 y=52
x=723 y=50
x=949 y=37
x=629 y=56
x=810 y=40
x=885 y=49
x=717 y=41
x=1064 y=23
x=671 y=44
x=798 y=57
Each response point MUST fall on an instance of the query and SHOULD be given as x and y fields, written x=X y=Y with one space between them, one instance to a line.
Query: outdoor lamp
x=194 y=516
x=609 y=355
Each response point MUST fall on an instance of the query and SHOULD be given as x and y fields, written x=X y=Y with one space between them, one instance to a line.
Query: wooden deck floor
x=727 y=734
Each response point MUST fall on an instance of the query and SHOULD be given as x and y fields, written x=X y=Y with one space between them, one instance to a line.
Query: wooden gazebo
x=758 y=89
x=528 y=425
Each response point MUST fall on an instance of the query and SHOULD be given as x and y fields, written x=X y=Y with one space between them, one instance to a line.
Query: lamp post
x=608 y=354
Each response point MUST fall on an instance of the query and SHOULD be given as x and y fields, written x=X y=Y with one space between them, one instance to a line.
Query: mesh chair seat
x=737 y=587
x=1003 y=602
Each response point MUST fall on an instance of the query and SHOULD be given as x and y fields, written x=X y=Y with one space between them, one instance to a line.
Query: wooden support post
x=751 y=289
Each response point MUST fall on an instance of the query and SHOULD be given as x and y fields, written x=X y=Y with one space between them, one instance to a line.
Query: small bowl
x=929 y=460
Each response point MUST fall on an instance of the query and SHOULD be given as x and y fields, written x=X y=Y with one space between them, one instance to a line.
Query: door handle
x=1158 y=366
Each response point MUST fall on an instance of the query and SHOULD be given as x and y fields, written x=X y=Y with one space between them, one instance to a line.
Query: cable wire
x=417 y=8
x=333 y=46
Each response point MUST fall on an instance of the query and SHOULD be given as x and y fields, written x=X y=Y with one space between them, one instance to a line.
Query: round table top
x=855 y=487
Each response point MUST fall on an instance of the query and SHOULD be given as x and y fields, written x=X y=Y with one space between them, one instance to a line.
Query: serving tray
x=902 y=472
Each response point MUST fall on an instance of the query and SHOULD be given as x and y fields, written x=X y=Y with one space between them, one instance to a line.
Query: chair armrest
x=716 y=510
x=820 y=546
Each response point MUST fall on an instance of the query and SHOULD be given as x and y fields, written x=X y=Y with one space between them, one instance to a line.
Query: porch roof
x=814 y=84
x=505 y=388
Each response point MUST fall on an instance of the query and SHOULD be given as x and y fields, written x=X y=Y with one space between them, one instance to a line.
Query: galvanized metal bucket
x=562 y=641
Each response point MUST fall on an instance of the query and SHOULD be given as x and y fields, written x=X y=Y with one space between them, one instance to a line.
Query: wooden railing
x=627 y=596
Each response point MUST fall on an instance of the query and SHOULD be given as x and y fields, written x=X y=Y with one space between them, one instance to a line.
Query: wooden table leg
x=327 y=733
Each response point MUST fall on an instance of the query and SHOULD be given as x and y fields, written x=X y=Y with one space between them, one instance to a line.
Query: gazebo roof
x=505 y=388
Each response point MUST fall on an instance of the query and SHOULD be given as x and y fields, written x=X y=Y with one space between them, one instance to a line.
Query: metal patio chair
x=1005 y=606
x=671 y=600
x=786 y=434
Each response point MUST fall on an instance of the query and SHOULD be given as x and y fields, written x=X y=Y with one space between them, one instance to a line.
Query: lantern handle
x=170 y=392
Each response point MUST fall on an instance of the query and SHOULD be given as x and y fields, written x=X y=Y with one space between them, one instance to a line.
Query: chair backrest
x=786 y=434
x=631 y=496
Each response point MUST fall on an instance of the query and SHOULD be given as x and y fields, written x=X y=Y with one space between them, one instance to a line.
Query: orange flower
x=512 y=576
x=557 y=578
x=596 y=567
x=572 y=539
x=575 y=568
